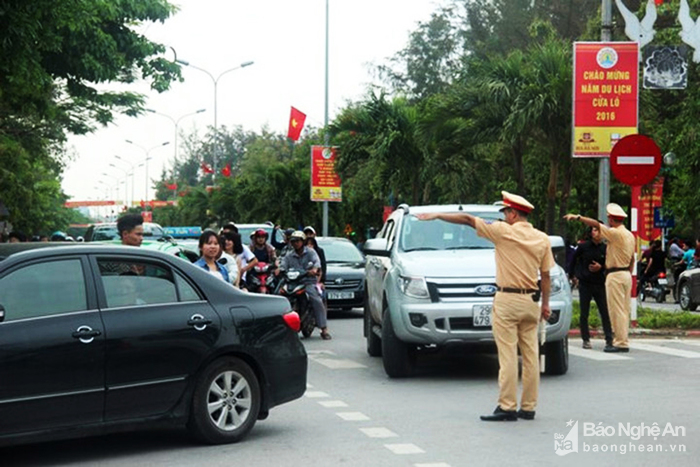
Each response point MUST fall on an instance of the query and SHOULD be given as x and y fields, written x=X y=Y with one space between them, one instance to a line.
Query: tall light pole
x=133 y=171
x=147 y=152
x=176 y=122
x=325 y=125
x=604 y=164
x=216 y=83
x=126 y=177
x=117 y=184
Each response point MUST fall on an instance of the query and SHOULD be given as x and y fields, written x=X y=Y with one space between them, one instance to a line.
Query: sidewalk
x=641 y=332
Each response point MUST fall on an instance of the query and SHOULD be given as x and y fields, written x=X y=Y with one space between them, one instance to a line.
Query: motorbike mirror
x=2 y=313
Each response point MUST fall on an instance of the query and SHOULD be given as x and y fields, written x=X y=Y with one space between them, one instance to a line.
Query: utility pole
x=325 y=124
x=604 y=163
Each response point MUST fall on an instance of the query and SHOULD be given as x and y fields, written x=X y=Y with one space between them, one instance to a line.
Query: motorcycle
x=293 y=288
x=261 y=279
x=655 y=287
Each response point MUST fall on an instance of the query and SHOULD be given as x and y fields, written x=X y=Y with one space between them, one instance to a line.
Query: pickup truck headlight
x=413 y=286
x=557 y=284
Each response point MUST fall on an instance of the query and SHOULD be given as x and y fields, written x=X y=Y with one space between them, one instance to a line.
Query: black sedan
x=96 y=338
x=345 y=274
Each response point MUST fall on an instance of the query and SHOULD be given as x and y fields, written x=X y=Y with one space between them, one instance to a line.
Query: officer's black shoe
x=612 y=349
x=526 y=414
x=500 y=415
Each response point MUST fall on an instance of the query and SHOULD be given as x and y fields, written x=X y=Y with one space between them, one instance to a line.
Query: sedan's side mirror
x=2 y=313
x=377 y=247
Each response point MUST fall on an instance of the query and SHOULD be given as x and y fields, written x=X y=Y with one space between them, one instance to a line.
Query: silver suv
x=430 y=284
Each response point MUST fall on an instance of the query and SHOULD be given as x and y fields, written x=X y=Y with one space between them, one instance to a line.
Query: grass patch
x=646 y=317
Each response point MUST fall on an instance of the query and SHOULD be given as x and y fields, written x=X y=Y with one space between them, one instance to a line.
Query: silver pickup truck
x=430 y=284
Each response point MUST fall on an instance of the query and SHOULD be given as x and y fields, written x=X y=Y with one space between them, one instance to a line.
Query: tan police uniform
x=521 y=251
x=618 y=281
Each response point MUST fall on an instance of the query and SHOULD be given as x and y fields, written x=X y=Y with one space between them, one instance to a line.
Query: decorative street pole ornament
x=665 y=67
x=640 y=32
x=690 y=30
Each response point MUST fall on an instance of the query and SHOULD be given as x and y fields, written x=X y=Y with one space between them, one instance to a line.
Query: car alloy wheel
x=226 y=403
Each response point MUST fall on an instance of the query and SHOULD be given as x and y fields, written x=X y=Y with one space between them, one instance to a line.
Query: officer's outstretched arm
x=590 y=222
x=453 y=217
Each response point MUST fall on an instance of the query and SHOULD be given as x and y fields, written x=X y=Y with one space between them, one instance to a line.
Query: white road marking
x=334 y=364
x=594 y=354
x=665 y=350
x=439 y=464
x=379 y=432
x=404 y=448
x=316 y=394
x=308 y=386
x=684 y=341
x=330 y=404
x=314 y=353
x=352 y=416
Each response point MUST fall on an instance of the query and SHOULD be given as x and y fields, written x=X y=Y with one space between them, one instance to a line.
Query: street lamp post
x=126 y=177
x=176 y=122
x=147 y=152
x=216 y=83
x=117 y=183
x=133 y=172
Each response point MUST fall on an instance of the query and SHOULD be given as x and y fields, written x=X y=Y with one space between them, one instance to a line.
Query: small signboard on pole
x=325 y=182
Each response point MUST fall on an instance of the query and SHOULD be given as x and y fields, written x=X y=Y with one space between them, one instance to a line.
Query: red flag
x=296 y=124
x=226 y=171
x=207 y=168
x=171 y=186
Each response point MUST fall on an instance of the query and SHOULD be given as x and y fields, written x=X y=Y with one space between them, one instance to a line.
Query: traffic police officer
x=521 y=251
x=618 y=264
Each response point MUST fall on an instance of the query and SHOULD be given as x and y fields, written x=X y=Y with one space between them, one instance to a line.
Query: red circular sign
x=635 y=160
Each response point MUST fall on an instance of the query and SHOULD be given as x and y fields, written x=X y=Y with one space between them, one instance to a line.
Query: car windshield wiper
x=421 y=248
x=469 y=247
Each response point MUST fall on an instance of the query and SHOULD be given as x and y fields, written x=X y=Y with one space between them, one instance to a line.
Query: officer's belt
x=514 y=290
x=611 y=270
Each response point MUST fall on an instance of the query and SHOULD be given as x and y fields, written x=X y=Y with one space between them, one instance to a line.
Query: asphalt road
x=354 y=415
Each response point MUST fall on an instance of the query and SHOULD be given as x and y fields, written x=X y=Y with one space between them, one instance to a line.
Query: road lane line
x=404 y=448
x=593 y=354
x=684 y=342
x=316 y=394
x=330 y=404
x=439 y=464
x=379 y=432
x=334 y=364
x=352 y=416
x=665 y=350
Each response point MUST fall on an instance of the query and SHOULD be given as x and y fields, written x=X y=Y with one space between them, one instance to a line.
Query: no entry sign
x=635 y=160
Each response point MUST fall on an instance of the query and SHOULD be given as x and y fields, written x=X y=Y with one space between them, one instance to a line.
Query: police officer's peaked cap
x=614 y=210
x=516 y=202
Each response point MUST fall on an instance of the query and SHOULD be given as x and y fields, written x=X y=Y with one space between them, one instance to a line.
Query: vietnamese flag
x=226 y=171
x=171 y=186
x=207 y=168
x=296 y=124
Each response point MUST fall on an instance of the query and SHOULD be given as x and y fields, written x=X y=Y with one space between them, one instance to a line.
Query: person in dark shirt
x=588 y=270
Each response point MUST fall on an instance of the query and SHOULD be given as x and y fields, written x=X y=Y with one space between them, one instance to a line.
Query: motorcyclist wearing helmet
x=284 y=246
x=306 y=259
x=261 y=249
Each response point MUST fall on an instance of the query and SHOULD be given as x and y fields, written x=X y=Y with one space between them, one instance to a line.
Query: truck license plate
x=482 y=315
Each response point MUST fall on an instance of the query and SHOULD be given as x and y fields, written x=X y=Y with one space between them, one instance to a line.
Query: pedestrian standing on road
x=619 y=261
x=130 y=228
x=521 y=252
x=588 y=270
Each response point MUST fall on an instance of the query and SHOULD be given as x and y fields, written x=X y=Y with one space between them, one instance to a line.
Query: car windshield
x=417 y=235
x=341 y=252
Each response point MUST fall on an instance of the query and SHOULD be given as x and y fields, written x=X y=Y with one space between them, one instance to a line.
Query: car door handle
x=85 y=334
x=199 y=322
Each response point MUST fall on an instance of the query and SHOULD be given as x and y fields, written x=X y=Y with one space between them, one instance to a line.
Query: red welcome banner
x=606 y=96
x=79 y=204
x=325 y=182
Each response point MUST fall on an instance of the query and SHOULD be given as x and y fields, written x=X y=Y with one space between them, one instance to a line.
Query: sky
x=285 y=40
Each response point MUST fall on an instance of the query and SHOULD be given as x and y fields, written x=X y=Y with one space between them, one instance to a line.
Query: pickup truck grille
x=460 y=289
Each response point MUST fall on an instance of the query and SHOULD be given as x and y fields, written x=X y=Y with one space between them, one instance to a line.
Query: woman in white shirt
x=246 y=259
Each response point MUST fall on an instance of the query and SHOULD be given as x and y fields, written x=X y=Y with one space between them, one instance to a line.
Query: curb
x=640 y=332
